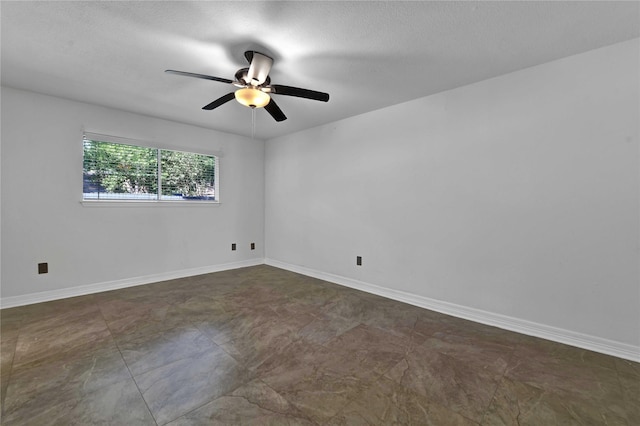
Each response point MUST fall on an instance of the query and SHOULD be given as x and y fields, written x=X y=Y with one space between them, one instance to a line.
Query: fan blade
x=275 y=111
x=206 y=77
x=259 y=68
x=222 y=100
x=300 y=93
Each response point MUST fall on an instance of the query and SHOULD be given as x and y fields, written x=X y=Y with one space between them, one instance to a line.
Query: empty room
x=320 y=213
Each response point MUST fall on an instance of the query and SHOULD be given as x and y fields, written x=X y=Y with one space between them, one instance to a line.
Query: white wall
x=517 y=196
x=44 y=221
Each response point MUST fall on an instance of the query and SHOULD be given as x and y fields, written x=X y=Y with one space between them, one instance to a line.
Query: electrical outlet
x=253 y=246
x=233 y=246
x=359 y=260
x=43 y=268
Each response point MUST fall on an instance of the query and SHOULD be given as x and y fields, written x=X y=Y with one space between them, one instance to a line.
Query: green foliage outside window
x=187 y=173
x=119 y=171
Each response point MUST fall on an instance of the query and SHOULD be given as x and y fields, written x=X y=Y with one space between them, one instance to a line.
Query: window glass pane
x=187 y=176
x=114 y=171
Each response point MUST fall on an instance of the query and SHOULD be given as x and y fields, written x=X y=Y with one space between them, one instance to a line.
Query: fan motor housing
x=241 y=76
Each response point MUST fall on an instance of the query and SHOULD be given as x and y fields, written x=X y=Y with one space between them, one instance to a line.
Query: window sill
x=147 y=203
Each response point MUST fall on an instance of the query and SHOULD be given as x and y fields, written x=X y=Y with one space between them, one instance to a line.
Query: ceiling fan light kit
x=255 y=86
x=253 y=98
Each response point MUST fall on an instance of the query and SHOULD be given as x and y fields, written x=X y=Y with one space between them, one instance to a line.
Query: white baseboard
x=580 y=340
x=568 y=337
x=46 y=296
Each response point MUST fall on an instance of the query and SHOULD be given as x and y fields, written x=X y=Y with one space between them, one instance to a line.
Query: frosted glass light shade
x=252 y=98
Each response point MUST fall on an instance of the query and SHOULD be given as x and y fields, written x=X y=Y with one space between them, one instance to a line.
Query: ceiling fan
x=254 y=86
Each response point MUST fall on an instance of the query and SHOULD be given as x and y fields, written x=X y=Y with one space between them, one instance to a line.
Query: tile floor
x=265 y=346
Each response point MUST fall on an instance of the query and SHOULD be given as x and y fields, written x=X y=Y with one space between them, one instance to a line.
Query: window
x=121 y=171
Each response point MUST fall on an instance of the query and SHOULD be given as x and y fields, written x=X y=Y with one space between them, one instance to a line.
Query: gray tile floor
x=262 y=346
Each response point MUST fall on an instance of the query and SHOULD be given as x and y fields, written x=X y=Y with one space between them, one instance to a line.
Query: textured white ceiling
x=367 y=55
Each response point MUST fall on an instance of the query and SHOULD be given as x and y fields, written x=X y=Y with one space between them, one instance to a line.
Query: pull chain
x=253 y=123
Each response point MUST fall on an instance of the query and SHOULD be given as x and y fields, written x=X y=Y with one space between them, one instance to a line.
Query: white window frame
x=159 y=146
